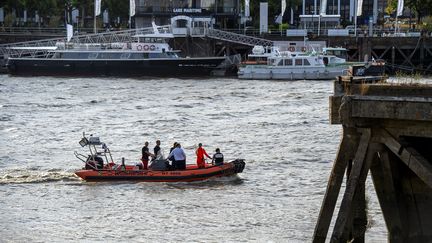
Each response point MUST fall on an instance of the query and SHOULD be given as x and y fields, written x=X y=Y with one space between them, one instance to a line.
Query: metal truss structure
x=19 y=49
x=237 y=38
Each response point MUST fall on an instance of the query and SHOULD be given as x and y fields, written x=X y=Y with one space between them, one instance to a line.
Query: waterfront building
x=371 y=9
x=225 y=13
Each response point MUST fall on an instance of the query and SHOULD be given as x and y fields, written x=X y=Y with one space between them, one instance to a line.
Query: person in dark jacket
x=157 y=151
x=145 y=155
x=218 y=158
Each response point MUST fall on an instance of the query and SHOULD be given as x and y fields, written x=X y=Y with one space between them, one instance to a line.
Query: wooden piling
x=387 y=126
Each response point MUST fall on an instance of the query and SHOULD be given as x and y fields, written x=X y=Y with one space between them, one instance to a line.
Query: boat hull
x=269 y=72
x=188 y=175
x=175 y=67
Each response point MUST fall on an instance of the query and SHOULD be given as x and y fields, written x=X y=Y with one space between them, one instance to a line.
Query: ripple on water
x=280 y=128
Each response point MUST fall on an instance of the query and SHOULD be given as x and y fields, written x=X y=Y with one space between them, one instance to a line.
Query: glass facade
x=187 y=6
x=224 y=12
x=345 y=9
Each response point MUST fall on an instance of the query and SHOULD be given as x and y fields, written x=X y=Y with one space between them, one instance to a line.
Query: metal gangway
x=237 y=38
x=41 y=47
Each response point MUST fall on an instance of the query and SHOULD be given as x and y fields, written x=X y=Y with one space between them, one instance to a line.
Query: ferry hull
x=188 y=175
x=291 y=74
x=178 y=67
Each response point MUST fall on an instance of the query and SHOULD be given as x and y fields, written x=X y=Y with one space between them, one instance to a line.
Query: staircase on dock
x=237 y=38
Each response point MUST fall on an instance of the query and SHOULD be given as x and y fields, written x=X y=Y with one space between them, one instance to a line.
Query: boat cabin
x=260 y=54
x=296 y=61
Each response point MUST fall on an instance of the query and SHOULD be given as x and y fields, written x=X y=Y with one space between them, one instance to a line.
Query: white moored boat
x=296 y=66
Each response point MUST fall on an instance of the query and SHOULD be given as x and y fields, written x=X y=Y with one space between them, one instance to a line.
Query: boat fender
x=139 y=47
x=152 y=48
x=146 y=47
x=291 y=49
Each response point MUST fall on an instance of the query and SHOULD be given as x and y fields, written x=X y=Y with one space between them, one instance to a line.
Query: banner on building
x=323 y=7
x=283 y=7
x=359 y=7
x=247 y=10
x=97 y=7
x=75 y=14
x=37 y=16
x=375 y=11
x=263 y=17
x=131 y=8
x=105 y=16
x=292 y=16
x=400 y=7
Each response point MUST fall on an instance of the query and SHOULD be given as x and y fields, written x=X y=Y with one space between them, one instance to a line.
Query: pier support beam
x=387 y=131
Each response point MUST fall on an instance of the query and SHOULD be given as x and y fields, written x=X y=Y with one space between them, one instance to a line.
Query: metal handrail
x=104 y=37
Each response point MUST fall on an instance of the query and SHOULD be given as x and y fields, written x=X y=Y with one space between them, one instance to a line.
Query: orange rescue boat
x=97 y=168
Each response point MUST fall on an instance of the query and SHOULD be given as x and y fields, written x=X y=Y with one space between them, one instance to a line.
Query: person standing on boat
x=179 y=156
x=145 y=155
x=218 y=158
x=200 y=152
x=157 y=151
x=170 y=157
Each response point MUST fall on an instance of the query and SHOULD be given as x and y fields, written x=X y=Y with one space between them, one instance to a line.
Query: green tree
x=391 y=7
x=420 y=7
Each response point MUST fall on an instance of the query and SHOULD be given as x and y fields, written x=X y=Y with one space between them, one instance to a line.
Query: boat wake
x=28 y=176
x=232 y=180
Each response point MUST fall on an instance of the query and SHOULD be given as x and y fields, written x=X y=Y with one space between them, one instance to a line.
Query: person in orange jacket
x=200 y=152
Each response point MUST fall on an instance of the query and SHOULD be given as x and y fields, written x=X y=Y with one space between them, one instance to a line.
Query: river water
x=280 y=128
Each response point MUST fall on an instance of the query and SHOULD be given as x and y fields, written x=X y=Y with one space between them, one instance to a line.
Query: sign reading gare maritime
x=187 y=10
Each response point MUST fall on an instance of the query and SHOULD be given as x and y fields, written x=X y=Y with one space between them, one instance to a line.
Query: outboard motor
x=239 y=165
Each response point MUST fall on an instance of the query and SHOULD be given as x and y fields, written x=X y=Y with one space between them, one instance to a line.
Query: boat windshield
x=342 y=53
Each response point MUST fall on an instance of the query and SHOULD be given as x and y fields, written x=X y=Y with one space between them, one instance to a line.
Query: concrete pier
x=387 y=131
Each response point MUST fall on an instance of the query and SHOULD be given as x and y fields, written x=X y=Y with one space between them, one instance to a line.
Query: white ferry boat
x=296 y=66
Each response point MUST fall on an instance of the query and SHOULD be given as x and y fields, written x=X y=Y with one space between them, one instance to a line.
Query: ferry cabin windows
x=288 y=62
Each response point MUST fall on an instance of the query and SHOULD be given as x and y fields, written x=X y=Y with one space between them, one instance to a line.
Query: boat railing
x=121 y=36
